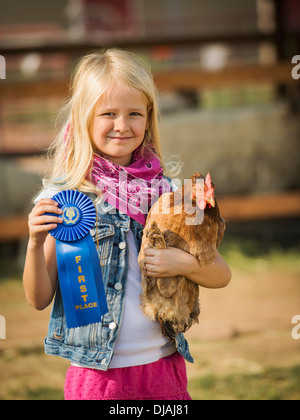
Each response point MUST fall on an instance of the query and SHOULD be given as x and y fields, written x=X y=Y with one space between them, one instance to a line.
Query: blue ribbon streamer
x=78 y=264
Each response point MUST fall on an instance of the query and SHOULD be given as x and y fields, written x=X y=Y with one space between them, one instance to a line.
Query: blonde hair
x=73 y=150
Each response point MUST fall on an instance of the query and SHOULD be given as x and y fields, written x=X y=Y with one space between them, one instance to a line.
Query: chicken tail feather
x=167 y=329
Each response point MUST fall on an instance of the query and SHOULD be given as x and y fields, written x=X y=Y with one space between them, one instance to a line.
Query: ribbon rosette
x=78 y=263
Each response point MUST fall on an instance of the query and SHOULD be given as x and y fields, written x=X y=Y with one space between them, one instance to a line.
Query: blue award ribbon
x=78 y=264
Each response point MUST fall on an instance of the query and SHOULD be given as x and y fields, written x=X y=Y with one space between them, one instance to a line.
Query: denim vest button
x=93 y=232
x=118 y=286
x=103 y=361
x=112 y=325
x=122 y=245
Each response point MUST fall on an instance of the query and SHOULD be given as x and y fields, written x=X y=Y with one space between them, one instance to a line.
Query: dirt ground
x=244 y=328
x=247 y=326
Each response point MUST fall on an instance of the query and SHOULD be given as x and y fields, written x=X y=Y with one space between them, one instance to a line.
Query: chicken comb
x=210 y=188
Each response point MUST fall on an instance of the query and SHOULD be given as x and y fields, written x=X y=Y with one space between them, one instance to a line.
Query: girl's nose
x=121 y=124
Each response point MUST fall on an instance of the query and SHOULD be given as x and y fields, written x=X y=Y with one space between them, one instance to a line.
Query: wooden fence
x=236 y=208
x=276 y=74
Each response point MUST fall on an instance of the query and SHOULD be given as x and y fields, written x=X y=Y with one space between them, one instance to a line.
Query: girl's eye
x=135 y=114
x=112 y=114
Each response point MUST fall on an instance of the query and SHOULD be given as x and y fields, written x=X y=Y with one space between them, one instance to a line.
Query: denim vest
x=93 y=346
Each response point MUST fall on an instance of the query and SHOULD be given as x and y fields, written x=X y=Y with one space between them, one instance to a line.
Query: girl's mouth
x=121 y=138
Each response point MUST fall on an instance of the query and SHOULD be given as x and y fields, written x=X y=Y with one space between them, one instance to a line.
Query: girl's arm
x=173 y=262
x=40 y=271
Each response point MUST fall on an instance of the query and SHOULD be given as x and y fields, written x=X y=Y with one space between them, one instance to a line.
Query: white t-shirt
x=140 y=341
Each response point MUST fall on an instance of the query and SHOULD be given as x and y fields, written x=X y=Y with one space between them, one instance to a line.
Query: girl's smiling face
x=120 y=122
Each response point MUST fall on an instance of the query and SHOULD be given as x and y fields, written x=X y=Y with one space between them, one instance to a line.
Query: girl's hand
x=169 y=262
x=40 y=224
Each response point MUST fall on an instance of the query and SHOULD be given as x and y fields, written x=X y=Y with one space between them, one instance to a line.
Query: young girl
x=111 y=126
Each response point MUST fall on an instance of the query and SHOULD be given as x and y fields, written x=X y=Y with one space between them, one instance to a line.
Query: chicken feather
x=174 y=301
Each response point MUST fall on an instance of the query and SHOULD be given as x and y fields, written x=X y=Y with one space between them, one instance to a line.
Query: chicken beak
x=211 y=201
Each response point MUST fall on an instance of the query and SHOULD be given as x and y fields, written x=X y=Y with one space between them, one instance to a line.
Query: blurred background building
x=229 y=102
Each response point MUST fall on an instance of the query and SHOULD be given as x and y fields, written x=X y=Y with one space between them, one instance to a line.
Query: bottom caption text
x=161 y=410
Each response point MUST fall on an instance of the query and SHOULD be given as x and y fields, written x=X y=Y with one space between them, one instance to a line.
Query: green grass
x=272 y=384
x=37 y=394
x=26 y=373
x=43 y=393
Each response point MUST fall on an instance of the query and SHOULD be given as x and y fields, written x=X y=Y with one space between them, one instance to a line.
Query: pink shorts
x=162 y=380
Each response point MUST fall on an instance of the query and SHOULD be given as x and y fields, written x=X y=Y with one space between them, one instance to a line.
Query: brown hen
x=188 y=219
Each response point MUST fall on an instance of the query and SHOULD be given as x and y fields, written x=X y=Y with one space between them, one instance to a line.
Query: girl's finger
x=149 y=252
x=46 y=208
x=47 y=201
x=41 y=220
x=151 y=269
x=43 y=228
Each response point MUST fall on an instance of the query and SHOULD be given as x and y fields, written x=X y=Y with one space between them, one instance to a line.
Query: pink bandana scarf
x=132 y=189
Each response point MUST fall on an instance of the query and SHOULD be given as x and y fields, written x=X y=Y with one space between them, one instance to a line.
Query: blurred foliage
x=248 y=255
x=244 y=254
x=237 y=96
